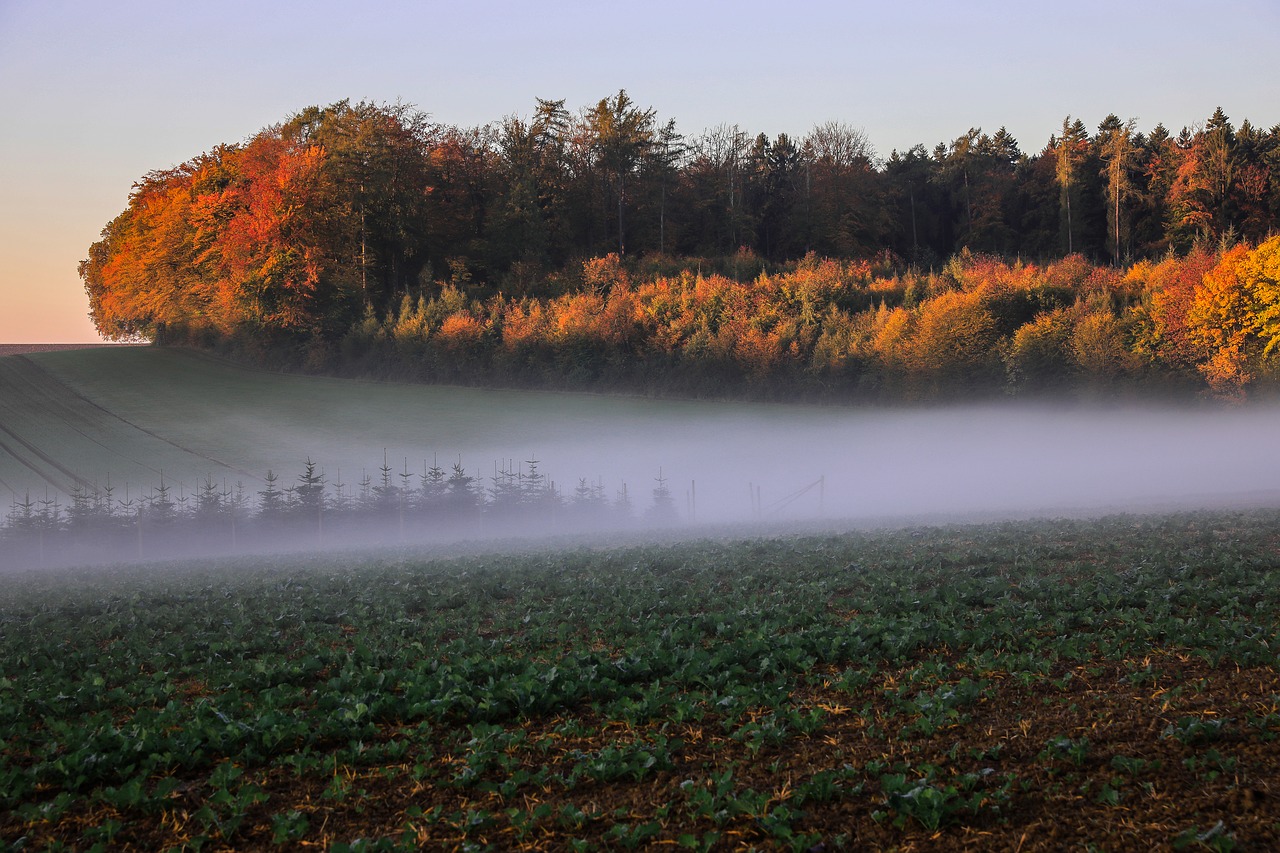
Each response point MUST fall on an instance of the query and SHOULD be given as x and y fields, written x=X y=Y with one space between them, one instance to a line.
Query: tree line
x=358 y=217
x=1207 y=323
x=102 y=523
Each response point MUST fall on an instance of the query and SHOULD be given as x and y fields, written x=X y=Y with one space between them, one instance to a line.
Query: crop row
x=930 y=687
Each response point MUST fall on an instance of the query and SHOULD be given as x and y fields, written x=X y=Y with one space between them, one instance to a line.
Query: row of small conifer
x=389 y=506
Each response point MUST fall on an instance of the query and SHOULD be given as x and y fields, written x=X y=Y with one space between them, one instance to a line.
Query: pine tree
x=308 y=497
x=271 y=501
x=433 y=488
x=161 y=509
x=462 y=497
x=386 y=496
x=663 y=510
x=622 y=507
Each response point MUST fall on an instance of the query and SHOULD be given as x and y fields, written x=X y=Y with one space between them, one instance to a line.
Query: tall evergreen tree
x=1069 y=152
x=1118 y=153
x=622 y=134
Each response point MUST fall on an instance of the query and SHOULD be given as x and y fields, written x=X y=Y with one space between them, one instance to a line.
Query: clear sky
x=95 y=94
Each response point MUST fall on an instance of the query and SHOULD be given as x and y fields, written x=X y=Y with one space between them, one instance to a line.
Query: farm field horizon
x=136 y=414
x=1027 y=685
x=919 y=686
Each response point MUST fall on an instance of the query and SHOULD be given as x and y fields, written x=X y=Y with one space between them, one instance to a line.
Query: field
x=1014 y=685
x=1026 y=685
x=136 y=415
x=131 y=413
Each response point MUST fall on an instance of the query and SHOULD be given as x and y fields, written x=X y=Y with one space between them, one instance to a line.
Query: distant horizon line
x=18 y=347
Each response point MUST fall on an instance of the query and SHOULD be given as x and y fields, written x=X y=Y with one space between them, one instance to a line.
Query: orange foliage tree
x=953 y=344
x=1235 y=315
x=1170 y=287
x=827 y=328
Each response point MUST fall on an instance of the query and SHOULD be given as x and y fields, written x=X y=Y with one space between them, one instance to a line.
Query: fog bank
x=1002 y=459
x=746 y=467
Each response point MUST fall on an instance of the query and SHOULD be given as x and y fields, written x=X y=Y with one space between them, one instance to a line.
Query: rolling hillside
x=54 y=437
x=135 y=414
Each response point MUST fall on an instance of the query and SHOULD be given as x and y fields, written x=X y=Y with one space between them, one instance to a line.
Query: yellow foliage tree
x=954 y=340
x=1261 y=272
x=1038 y=357
x=1098 y=346
x=1224 y=318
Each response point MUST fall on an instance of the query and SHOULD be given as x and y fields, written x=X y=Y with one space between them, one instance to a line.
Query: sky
x=94 y=95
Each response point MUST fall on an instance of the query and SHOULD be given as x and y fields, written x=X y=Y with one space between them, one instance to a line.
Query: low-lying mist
x=756 y=467
x=949 y=462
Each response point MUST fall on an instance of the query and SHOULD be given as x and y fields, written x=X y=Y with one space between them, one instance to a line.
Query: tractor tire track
x=40 y=392
x=40 y=395
x=43 y=457
x=49 y=377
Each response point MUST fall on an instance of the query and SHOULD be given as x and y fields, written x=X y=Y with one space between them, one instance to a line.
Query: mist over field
x=234 y=640
x=137 y=415
x=877 y=464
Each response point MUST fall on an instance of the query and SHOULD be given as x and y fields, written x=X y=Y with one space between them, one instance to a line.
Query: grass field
x=1107 y=684
x=130 y=413
x=1018 y=685
x=133 y=413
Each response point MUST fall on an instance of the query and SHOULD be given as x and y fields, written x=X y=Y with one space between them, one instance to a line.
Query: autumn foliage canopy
x=605 y=250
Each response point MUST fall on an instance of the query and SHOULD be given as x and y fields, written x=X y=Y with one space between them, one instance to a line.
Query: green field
x=1054 y=685
x=1019 y=685
x=131 y=413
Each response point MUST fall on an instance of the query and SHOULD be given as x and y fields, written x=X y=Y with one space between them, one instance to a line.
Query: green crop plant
x=1216 y=838
x=928 y=802
x=753 y=688
x=1063 y=748
x=1211 y=764
x=1132 y=766
x=1197 y=730
x=288 y=827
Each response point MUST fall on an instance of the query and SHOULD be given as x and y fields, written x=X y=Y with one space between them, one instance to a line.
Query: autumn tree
x=842 y=191
x=952 y=343
x=127 y=274
x=1098 y=347
x=1118 y=153
x=1038 y=358
x=286 y=234
x=622 y=134
x=1169 y=288
x=1224 y=317
x=1201 y=193
x=275 y=246
x=1236 y=316
x=1069 y=152
x=1261 y=271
